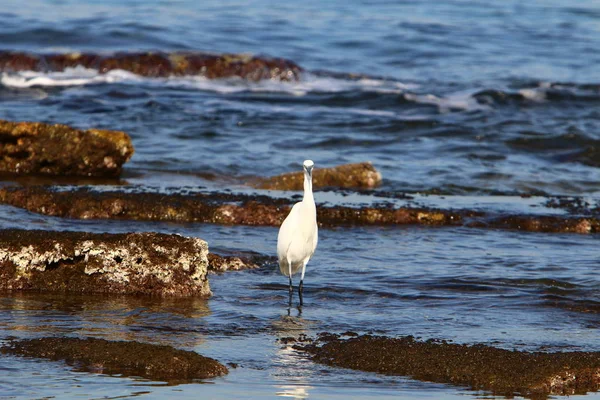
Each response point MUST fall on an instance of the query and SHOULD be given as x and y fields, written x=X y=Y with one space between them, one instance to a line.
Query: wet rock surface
x=158 y=64
x=360 y=175
x=218 y=208
x=574 y=205
x=222 y=263
x=38 y=148
x=133 y=263
x=548 y=224
x=161 y=363
x=258 y=210
x=503 y=372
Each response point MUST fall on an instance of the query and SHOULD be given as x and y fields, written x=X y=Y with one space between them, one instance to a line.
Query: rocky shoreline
x=39 y=148
x=134 y=263
x=259 y=210
x=481 y=367
x=173 y=266
x=127 y=358
x=158 y=64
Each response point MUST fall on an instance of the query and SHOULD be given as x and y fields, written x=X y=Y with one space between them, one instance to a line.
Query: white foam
x=73 y=77
x=455 y=101
x=538 y=94
x=80 y=76
x=308 y=84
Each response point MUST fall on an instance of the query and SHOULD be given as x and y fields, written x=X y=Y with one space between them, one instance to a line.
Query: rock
x=133 y=263
x=219 y=263
x=38 y=148
x=503 y=372
x=216 y=208
x=19 y=61
x=544 y=223
x=160 y=363
x=241 y=209
x=360 y=175
x=158 y=64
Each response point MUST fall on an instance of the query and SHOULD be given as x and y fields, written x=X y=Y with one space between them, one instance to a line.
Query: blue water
x=478 y=101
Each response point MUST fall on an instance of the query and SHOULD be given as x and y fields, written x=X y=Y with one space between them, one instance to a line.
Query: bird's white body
x=298 y=234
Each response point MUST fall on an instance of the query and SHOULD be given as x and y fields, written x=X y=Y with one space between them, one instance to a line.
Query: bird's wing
x=287 y=231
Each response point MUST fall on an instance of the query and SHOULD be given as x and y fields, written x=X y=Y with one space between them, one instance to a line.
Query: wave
x=540 y=92
x=350 y=89
x=70 y=77
x=319 y=83
x=310 y=83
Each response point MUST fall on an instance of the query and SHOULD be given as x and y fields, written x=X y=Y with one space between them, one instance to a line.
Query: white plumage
x=298 y=234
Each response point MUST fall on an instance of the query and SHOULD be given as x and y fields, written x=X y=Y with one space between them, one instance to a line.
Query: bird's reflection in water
x=291 y=366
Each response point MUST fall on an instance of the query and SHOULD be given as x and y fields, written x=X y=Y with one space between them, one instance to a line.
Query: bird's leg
x=291 y=286
x=301 y=286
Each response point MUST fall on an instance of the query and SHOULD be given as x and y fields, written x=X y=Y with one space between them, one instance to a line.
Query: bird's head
x=308 y=166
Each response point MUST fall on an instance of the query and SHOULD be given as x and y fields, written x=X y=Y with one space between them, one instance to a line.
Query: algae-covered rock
x=503 y=372
x=221 y=263
x=360 y=175
x=162 y=363
x=35 y=147
x=132 y=263
x=158 y=64
x=216 y=208
x=243 y=209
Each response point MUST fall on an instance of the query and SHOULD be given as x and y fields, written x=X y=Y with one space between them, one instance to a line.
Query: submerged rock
x=218 y=263
x=503 y=372
x=360 y=175
x=217 y=208
x=35 y=147
x=240 y=209
x=158 y=64
x=544 y=223
x=161 y=363
x=132 y=263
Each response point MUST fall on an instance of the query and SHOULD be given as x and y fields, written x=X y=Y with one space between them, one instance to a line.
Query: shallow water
x=474 y=101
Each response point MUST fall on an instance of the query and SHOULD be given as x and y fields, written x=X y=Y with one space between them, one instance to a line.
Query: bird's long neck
x=308 y=193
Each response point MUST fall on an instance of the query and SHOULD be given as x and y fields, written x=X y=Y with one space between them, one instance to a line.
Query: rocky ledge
x=38 y=148
x=259 y=210
x=346 y=176
x=158 y=64
x=161 y=363
x=133 y=263
x=502 y=372
x=216 y=208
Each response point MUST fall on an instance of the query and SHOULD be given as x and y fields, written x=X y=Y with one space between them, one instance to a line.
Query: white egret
x=298 y=234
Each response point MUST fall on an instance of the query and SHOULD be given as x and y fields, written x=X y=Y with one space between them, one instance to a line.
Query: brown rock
x=503 y=372
x=360 y=175
x=13 y=61
x=158 y=64
x=60 y=62
x=34 y=147
x=162 y=363
x=144 y=64
x=247 y=210
x=245 y=66
x=218 y=263
x=548 y=224
x=239 y=209
x=132 y=263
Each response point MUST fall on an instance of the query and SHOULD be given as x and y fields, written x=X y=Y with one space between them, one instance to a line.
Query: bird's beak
x=309 y=170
